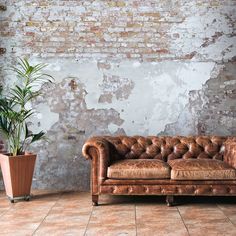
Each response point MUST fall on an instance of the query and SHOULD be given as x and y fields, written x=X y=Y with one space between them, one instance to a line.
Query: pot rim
x=18 y=156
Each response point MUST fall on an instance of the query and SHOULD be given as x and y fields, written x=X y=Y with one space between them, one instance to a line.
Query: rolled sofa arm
x=230 y=152
x=102 y=158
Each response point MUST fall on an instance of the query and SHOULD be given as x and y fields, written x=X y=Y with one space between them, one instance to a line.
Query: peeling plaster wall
x=122 y=67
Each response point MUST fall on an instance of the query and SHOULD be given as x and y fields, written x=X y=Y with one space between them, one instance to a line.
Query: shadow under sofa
x=162 y=165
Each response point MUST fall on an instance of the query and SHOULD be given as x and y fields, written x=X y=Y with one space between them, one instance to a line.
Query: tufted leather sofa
x=163 y=165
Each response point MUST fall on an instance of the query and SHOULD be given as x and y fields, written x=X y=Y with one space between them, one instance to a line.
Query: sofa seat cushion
x=201 y=169
x=139 y=169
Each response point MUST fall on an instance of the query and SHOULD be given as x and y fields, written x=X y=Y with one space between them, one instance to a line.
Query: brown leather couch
x=193 y=165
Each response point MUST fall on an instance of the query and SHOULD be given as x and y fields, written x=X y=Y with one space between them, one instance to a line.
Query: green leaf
x=18 y=71
x=24 y=64
x=4 y=127
x=13 y=112
x=37 y=137
x=27 y=133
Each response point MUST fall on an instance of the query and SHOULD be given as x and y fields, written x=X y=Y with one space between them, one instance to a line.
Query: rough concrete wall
x=122 y=67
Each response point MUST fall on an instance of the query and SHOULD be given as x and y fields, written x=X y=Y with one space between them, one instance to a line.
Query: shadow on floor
x=179 y=200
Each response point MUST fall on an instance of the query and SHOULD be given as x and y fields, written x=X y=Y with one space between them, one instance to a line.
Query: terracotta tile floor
x=71 y=213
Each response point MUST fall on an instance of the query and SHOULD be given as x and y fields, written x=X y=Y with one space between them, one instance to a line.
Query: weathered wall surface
x=122 y=67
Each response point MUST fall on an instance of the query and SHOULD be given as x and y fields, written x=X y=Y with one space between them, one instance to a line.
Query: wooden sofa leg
x=95 y=200
x=170 y=200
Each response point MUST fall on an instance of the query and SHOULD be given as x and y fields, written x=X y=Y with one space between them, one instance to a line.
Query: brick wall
x=145 y=30
x=122 y=67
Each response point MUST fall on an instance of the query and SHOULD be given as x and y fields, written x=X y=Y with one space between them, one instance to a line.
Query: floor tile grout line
x=90 y=215
x=226 y=215
x=47 y=214
x=4 y=212
x=11 y=207
x=183 y=220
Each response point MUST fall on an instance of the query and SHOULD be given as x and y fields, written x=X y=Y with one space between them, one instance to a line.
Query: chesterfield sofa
x=162 y=165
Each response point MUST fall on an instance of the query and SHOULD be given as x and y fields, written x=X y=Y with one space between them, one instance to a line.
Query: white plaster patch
x=39 y=116
x=61 y=69
x=160 y=93
x=136 y=64
x=113 y=127
x=209 y=35
x=44 y=118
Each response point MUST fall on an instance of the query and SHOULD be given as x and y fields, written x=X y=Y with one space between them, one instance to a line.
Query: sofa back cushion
x=166 y=148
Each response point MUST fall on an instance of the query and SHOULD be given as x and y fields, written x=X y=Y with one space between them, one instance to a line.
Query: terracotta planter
x=17 y=174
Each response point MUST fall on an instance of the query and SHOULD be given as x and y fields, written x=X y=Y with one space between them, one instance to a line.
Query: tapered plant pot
x=17 y=174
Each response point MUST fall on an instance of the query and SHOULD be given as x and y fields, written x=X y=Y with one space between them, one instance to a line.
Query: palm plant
x=14 y=113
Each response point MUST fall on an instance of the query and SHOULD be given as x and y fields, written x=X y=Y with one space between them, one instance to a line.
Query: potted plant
x=18 y=163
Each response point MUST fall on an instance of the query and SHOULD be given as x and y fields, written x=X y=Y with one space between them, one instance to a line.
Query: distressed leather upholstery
x=139 y=169
x=166 y=148
x=203 y=169
x=109 y=153
x=230 y=152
